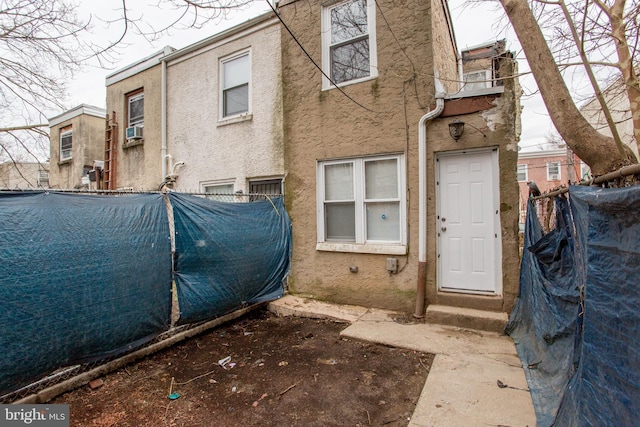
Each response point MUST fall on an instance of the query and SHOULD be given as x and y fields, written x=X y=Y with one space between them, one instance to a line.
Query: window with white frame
x=553 y=171
x=349 y=42
x=361 y=201
x=222 y=192
x=585 y=171
x=135 y=109
x=522 y=173
x=474 y=80
x=234 y=82
x=66 y=144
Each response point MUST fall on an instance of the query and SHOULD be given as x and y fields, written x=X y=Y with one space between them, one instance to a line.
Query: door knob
x=443 y=228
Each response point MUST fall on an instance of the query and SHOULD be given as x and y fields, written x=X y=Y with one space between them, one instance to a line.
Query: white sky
x=474 y=24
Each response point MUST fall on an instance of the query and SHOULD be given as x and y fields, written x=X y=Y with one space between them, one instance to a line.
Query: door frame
x=497 y=261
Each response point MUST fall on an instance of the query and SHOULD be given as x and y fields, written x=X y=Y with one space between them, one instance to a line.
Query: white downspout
x=422 y=195
x=163 y=120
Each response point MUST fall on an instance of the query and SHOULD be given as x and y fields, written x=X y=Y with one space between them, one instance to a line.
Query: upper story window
x=522 y=173
x=474 y=80
x=235 y=81
x=66 y=143
x=349 y=43
x=361 y=204
x=135 y=109
x=553 y=171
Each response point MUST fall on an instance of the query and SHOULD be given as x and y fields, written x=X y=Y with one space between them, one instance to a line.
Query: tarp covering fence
x=87 y=277
x=576 y=322
x=228 y=255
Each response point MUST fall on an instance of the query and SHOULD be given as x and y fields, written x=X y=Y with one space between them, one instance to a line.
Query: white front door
x=468 y=222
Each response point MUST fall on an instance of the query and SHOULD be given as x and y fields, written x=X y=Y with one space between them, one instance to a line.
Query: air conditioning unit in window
x=554 y=177
x=134 y=132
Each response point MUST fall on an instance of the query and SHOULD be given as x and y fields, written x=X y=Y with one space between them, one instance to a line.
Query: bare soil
x=282 y=371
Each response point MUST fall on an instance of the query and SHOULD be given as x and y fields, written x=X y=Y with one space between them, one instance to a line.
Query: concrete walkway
x=462 y=387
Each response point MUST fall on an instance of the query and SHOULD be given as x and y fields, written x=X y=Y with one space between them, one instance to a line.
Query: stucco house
x=400 y=184
x=224 y=125
x=24 y=175
x=134 y=136
x=77 y=141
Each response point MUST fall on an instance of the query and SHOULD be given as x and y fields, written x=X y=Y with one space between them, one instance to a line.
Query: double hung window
x=66 y=144
x=135 y=108
x=349 y=46
x=522 y=173
x=553 y=171
x=361 y=201
x=235 y=82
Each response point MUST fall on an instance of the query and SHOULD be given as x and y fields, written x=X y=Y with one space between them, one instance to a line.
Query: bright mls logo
x=34 y=415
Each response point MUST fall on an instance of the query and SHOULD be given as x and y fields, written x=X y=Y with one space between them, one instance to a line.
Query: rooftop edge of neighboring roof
x=90 y=110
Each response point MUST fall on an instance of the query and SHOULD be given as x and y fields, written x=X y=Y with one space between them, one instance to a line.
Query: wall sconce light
x=456 y=129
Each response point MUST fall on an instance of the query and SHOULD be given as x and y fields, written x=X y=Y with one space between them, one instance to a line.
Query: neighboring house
x=224 y=113
x=549 y=169
x=390 y=209
x=24 y=175
x=133 y=148
x=618 y=103
x=77 y=141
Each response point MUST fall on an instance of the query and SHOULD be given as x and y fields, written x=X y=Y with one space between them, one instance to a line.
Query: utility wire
x=317 y=66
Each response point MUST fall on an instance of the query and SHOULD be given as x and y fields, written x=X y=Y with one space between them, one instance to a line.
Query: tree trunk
x=629 y=76
x=595 y=149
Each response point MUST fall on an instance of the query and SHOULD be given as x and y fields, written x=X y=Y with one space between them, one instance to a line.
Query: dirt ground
x=280 y=371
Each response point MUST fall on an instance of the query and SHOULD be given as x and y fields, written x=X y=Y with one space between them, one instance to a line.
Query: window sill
x=133 y=143
x=65 y=162
x=328 y=86
x=245 y=117
x=391 y=249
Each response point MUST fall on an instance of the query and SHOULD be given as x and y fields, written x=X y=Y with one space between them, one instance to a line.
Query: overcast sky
x=474 y=24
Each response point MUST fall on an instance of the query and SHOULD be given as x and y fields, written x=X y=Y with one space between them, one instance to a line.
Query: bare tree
x=602 y=37
x=44 y=42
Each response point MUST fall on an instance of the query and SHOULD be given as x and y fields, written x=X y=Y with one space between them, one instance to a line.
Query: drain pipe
x=163 y=118
x=422 y=195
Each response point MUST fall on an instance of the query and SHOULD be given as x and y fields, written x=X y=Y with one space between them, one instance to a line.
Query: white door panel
x=468 y=243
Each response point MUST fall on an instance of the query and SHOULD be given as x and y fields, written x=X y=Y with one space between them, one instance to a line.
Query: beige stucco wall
x=87 y=146
x=444 y=48
x=326 y=125
x=21 y=175
x=138 y=165
x=501 y=125
x=215 y=150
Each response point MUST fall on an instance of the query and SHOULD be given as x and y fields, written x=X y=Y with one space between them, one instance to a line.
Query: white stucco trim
x=225 y=37
x=77 y=111
x=362 y=249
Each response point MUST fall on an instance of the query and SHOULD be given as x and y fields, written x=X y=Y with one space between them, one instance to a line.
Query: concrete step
x=467 y=318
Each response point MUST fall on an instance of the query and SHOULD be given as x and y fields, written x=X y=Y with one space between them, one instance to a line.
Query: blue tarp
x=228 y=255
x=82 y=277
x=582 y=356
x=86 y=277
